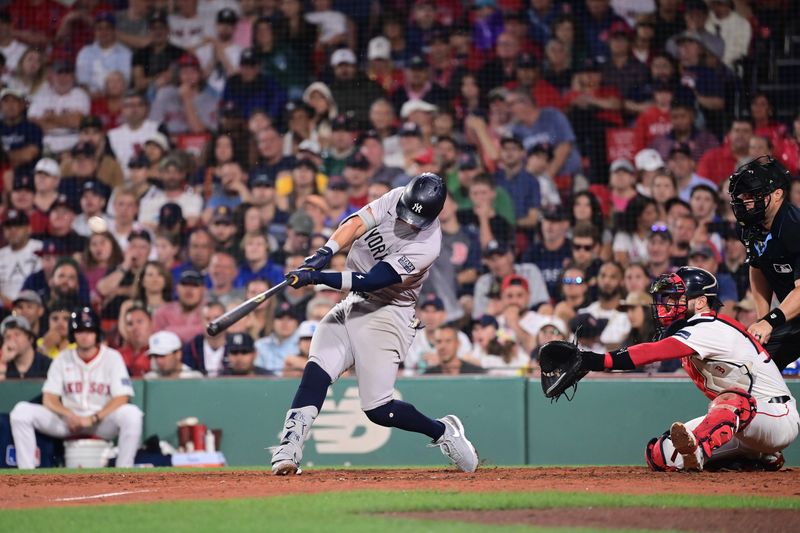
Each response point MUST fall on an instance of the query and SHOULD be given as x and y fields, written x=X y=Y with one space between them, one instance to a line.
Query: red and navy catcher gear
x=83 y=319
x=422 y=200
x=672 y=292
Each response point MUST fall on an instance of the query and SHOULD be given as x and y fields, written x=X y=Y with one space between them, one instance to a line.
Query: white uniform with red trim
x=726 y=357
x=84 y=388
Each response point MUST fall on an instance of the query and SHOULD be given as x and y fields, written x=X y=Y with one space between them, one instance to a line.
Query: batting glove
x=301 y=278
x=321 y=259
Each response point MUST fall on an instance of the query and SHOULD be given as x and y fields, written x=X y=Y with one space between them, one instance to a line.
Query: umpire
x=770 y=230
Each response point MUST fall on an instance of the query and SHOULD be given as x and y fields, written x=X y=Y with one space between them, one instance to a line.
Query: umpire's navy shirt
x=778 y=256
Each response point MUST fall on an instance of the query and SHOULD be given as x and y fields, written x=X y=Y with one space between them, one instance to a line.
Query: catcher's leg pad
x=654 y=454
x=728 y=413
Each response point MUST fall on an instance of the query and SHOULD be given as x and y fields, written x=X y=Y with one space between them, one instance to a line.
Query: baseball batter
x=393 y=242
x=86 y=393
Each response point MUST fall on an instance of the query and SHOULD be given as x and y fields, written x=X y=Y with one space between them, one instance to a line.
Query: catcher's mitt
x=561 y=363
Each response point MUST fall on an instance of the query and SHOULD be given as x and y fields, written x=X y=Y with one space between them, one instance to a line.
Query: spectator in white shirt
x=127 y=140
x=95 y=61
x=734 y=29
x=18 y=259
x=11 y=48
x=58 y=108
x=187 y=28
x=609 y=294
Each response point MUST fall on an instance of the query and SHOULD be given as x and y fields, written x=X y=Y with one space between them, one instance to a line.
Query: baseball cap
x=105 y=16
x=636 y=299
x=417 y=62
x=62 y=200
x=306 y=163
x=586 y=326
x=338 y=183
x=239 y=343
x=160 y=140
x=169 y=214
x=29 y=296
x=526 y=60
x=248 y=57
x=222 y=215
x=648 y=160
x=84 y=148
x=310 y=146
x=555 y=213
x=188 y=60
x=227 y=15
x=61 y=66
x=301 y=223
x=140 y=234
x=15 y=322
x=619 y=28
x=588 y=65
x=191 y=276
x=432 y=299
x=357 y=160
x=496 y=248
x=498 y=93
x=299 y=105
x=511 y=138
x=680 y=148
x=343 y=122
x=412 y=106
x=11 y=91
x=306 y=329
x=48 y=166
x=486 y=321
x=51 y=247
x=139 y=161
x=702 y=249
x=409 y=129
x=343 y=55
x=689 y=35
x=229 y=109
x=95 y=187
x=15 y=217
x=163 y=343
x=172 y=161
x=467 y=160
x=541 y=148
x=514 y=279
x=556 y=322
x=285 y=309
x=621 y=164
x=379 y=48
x=260 y=178
x=90 y=122
x=23 y=180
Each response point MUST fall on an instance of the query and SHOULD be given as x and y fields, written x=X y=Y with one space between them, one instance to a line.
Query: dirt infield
x=46 y=490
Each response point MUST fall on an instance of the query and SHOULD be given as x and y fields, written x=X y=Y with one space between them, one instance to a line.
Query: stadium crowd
x=162 y=161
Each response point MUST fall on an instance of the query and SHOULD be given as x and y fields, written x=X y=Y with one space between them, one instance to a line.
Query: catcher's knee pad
x=731 y=411
x=654 y=455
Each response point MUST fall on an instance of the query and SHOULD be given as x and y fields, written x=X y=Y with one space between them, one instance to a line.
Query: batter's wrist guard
x=775 y=318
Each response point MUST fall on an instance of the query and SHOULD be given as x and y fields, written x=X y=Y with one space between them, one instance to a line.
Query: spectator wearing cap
x=695 y=16
x=338 y=199
x=127 y=139
x=222 y=271
x=153 y=64
x=596 y=19
x=553 y=249
x=734 y=29
x=535 y=125
x=448 y=362
x=22 y=194
x=610 y=289
x=356 y=172
x=529 y=78
x=94 y=196
x=654 y=180
x=269 y=157
x=293 y=365
x=20 y=358
x=58 y=106
x=380 y=67
x=318 y=95
x=188 y=106
x=422 y=352
x=417 y=85
x=50 y=254
x=706 y=257
x=220 y=55
x=273 y=349
x=204 y=352
x=251 y=89
x=277 y=59
x=224 y=231
x=521 y=186
x=372 y=148
x=231 y=192
x=511 y=311
x=352 y=90
x=28 y=304
x=622 y=70
x=184 y=316
x=60 y=219
x=242 y=357
x=92 y=130
x=717 y=164
x=344 y=133
x=18 y=258
x=621 y=184
x=106 y=54
x=734 y=261
x=659 y=249
x=135 y=328
x=637 y=307
x=481 y=219
x=653 y=119
x=414 y=149
x=499 y=259
x=165 y=350
x=176 y=190
x=257 y=264
x=682 y=166
x=21 y=138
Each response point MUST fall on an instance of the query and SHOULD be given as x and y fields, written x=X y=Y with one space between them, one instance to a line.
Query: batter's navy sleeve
x=380 y=276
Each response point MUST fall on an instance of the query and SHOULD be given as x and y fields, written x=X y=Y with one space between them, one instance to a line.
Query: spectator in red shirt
x=35 y=22
x=654 y=120
x=108 y=105
x=719 y=163
x=529 y=77
x=380 y=69
x=135 y=328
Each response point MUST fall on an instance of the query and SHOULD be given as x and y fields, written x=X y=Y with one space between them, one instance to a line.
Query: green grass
x=352 y=512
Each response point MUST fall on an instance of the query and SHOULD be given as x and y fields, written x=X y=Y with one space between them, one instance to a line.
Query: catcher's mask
x=750 y=188
x=672 y=292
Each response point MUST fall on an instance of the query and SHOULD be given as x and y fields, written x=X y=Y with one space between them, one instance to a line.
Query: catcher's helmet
x=757 y=179
x=83 y=319
x=669 y=289
x=422 y=200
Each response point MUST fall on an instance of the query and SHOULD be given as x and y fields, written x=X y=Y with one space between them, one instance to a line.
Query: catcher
x=752 y=414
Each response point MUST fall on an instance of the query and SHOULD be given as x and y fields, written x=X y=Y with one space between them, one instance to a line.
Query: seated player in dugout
x=752 y=415
x=768 y=227
x=393 y=242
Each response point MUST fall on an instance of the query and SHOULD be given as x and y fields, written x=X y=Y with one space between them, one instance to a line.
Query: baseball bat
x=222 y=323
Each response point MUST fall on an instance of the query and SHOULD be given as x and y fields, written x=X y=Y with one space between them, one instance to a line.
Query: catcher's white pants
x=774 y=427
x=26 y=418
x=374 y=337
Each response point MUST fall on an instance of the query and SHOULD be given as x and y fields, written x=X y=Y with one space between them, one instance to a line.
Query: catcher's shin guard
x=730 y=412
x=654 y=455
x=287 y=455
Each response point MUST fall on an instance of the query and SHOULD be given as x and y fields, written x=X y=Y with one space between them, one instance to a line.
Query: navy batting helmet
x=756 y=179
x=422 y=201
x=669 y=304
x=83 y=319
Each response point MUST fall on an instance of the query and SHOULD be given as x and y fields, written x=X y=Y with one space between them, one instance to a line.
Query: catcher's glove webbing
x=562 y=367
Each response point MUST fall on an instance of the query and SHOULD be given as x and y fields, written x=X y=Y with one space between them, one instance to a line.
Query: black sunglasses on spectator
x=584 y=247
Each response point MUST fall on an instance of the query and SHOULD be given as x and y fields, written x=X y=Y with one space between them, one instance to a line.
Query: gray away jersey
x=409 y=252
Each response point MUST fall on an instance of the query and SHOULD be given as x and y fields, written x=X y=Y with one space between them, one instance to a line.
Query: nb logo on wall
x=417 y=208
x=342 y=427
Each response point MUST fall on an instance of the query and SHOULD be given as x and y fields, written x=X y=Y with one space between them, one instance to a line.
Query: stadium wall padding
x=509 y=420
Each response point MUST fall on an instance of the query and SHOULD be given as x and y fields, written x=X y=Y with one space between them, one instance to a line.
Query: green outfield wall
x=508 y=419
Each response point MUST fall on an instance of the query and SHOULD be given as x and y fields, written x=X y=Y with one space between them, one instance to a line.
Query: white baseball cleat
x=287 y=455
x=455 y=445
x=686 y=444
